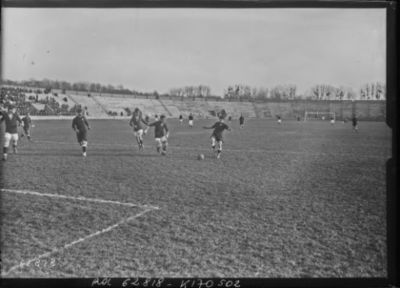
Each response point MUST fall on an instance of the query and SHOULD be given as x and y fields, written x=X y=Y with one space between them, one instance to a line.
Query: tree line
x=369 y=91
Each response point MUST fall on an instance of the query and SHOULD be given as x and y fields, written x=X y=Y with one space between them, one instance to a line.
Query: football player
x=27 y=124
x=241 y=121
x=161 y=134
x=191 y=120
x=12 y=120
x=80 y=126
x=136 y=123
x=217 y=135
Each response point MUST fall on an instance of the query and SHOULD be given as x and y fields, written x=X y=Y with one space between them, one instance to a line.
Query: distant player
x=181 y=119
x=216 y=136
x=27 y=124
x=12 y=120
x=156 y=117
x=136 y=122
x=80 y=126
x=161 y=134
x=190 y=120
x=230 y=118
x=241 y=121
x=279 y=119
x=354 y=121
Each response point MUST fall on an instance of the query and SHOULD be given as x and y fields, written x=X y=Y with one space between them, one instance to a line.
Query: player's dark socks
x=83 y=149
x=22 y=136
x=5 y=150
x=29 y=138
x=213 y=147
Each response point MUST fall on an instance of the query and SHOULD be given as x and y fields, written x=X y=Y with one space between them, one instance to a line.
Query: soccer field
x=300 y=199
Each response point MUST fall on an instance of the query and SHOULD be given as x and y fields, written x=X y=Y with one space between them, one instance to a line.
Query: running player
x=80 y=126
x=161 y=134
x=279 y=119
x=216 y=136
x=181 y=119
x=191 y=120
x=136 y=123
x=12 y=121
x=27 y=124
x=241 y=121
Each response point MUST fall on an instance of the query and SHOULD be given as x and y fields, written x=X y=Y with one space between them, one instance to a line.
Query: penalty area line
x=66 y=246
x=80 y=198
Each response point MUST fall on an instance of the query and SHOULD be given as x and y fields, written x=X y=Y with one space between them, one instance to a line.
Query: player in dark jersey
x=12 y=120
x=354 y=121
x=161 y=134
x=181 y=119
x=191 y=120
x=80 y=126
x=136 y=123
x=241 y=121
x=216 y=136
x=27 y=124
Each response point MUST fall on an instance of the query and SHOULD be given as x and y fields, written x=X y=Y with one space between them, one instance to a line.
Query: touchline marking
x=228 y=149
x=55 y=250
x=80 y=198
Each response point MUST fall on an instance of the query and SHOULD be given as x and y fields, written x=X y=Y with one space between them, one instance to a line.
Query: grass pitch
x=300 y=199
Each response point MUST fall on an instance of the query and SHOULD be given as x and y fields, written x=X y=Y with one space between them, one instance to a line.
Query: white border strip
x=55 y=250
x=79 y=198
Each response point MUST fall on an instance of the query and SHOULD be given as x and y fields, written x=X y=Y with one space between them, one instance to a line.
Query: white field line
x=56 y=250
x=231 y=150
x=79 y=198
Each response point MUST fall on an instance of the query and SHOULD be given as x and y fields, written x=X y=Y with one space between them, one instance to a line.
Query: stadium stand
x=121 y=104
x=94 y=109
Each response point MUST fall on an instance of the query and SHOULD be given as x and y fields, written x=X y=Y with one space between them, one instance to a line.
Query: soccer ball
x=200 y=157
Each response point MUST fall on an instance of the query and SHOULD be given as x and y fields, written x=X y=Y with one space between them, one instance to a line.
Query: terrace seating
x=119 y=104
x=94 y=109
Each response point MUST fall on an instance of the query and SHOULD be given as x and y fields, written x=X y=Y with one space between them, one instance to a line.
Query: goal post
x=318 y=115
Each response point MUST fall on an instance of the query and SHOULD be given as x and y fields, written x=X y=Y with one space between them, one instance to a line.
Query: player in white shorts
x=12 y=121
x=161 y=134
x=190 y=120
x=136 y=123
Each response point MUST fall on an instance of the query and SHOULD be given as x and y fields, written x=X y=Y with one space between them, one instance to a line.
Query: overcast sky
x=158 y=49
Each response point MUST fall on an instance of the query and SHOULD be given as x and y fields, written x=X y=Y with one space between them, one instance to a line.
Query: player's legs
x=164 y=144
x=219 y=142
x=14 y=139
x=213 y=142
x=27 y=132
x=81 y=136
x=139 y=137
x=7 y=139
x=159 y=144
